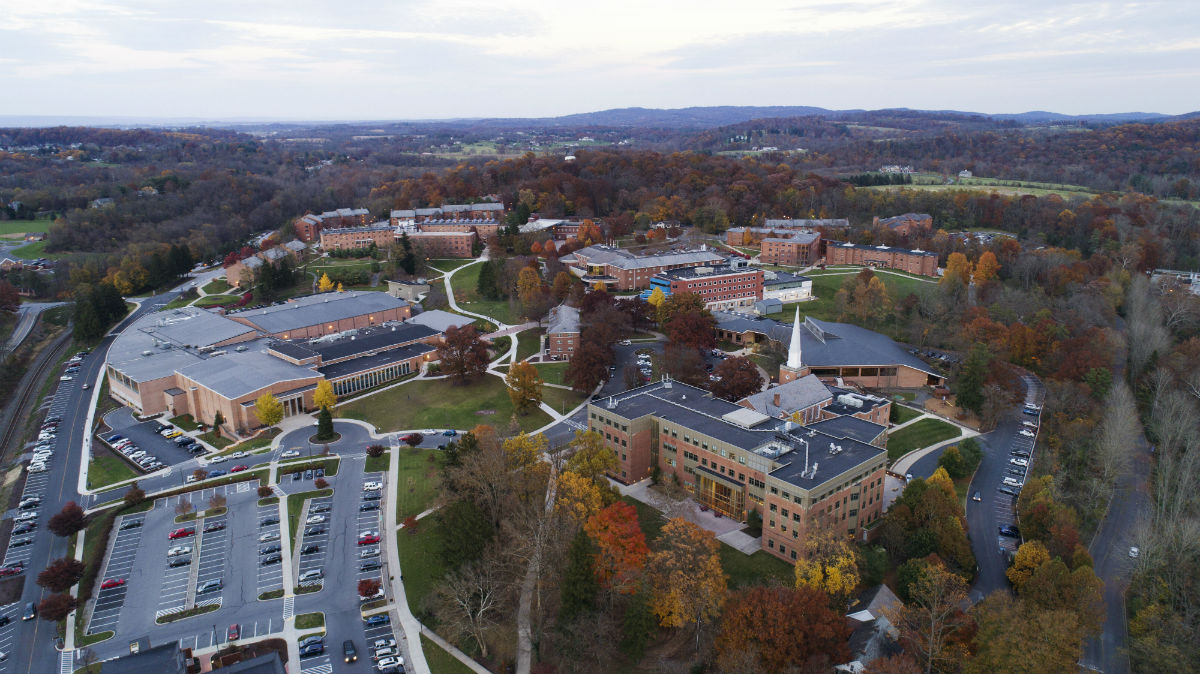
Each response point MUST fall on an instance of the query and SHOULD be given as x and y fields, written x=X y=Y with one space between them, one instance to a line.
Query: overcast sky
x=409 y=59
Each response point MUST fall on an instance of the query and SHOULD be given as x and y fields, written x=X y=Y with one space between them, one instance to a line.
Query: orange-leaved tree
x=687 y=582
x=621 y=550
x=778 y=629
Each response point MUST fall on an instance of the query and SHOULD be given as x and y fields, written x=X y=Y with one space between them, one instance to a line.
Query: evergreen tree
x=486 y=285
x=638 y=625
x=325 y=424
x=971 y=378
x=579 y=585
x=408 y=261
x=87 y=321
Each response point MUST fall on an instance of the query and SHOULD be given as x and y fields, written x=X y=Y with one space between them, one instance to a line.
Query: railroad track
x=21 y=405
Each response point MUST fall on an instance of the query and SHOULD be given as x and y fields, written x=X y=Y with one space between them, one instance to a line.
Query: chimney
x=777 y=400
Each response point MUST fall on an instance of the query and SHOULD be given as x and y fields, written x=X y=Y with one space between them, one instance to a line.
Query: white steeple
x=793 y=361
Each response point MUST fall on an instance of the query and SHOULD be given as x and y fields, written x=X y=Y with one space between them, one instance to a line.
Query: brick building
x=381 y=234
x=562 y=335
x=721 y=287
x=621 y=270
x=906 y=224
x=912 y=261
x=309 y=226
x=797 y=250
x=443 y=244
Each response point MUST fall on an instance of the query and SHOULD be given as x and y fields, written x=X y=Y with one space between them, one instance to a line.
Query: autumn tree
x=61 y=574
x=375 y=451
x=10 y=300
x=1012 y=637
x=780 y=629
x=463 y=354
x=68 y=521
x=958 y=269
x=864 y=297
x=687 y=582
x=656 y=298
x=134 y=495
x=529 y=289
x=524 y=387
x=620 y=547
x=325 y=284
x=589 y=366
x=739 y=377
x=562 y=286
x=265 y=491
x=368 y=587
x=577 y=497
x=695 y=329
x=590 y=457
x=268 y=409
x=932 y=624
x=684 y=363
x=218 y=421
x=679 y=303
x=324 y=395
x=1030 y=556
x=56 y=607
x=987 y=268
x=828 y=565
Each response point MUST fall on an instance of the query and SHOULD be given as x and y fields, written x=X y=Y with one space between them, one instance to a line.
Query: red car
x=112 y=582
x=368 y=540
x=238 y=469
x=181 y=533
x=234 y=632
x=10 y=571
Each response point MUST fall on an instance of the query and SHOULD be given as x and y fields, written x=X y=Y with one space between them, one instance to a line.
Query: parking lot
x=312 y=541
x=145 y=436
x=1004 y=505
x=11 y=616
x=270 y=576
x=127 y=536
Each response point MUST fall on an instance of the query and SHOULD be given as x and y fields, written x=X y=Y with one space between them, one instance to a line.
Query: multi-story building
x=487 y=210
x=799 y=249
x=621 y=270
x=562 y=335
x=486 y=229
x=380 y=234
x=241 y=273
x=785 y=287
x=443 y=244
x=735 y=460
x=721 y=287
x=308 y=227
x=197 y=362
x=912 y=261
x=906 y=224
x=789 y=242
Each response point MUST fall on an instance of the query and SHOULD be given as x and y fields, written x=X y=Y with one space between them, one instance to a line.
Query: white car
x=26 y=517
x=382 y=653
x=1019 y=462
x=237 y=455
x=179 y=550
x=430 y=431
x=268 y=537
x=1029 y=424
x=37 y=468
x=315 y=519
x=384 y=643
x=389 y=662
x=1134 y=552
x=364 y=534
x=289 y=454
x=372 y=486
x=218 y=459
x=1026 y=432
x=66 y=377
x=314 y=574
x=1012 y=482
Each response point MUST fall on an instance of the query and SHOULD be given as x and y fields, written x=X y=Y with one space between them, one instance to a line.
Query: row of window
x=369 y=379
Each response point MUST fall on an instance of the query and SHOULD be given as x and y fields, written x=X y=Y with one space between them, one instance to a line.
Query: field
x=901 y=414
x=418 y=482
x=553 y=373
x=920 y=434
x=440 y=404
x=32 y=251
x=24 y=226
x=826 y=285
x=216 y=300
x=106 y=470
x=418 y=551
x=441 y=661
x=529 y=342
x=561 y=400
x=216 y=286
x=448 y=265
x=464 y=293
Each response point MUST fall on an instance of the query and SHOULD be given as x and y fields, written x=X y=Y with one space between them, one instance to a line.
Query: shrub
x=69 y=521
x=376 y=451
x=321 y=483
x=56 y=607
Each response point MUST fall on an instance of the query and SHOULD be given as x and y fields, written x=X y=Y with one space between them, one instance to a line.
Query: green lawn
x=529 y=342
x=448 y=265
x=219 y=443
x=441 y=404
x=295 y=504
x=466 y=296
x=418 y=482
x=553 y=373
x=418 y=552
x=186 y=422
x=310 y=621
x=562 y=400
x=216 y=286
x=826 y=285
x=25 y=226
x=106 y=470
x=216 y=300
x=263 y=439
x=35 y=250
x=920 y=434
x=176 y=303
x=901 y=414
x=440 y=660
x=378 y=464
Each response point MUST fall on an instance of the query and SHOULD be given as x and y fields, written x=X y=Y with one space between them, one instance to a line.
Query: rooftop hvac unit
x=240 y=348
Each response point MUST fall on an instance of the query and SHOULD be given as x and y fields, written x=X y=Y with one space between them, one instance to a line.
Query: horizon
x=466 y=59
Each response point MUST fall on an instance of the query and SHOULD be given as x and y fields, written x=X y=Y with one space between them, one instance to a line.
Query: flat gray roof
x=563 y=318
x=440 y=320
x=139 y=353
x=237 y=373
x=623 y=259
x=316 y=309
x=795 y=395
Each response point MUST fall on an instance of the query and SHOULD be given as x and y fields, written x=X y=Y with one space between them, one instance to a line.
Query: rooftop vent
x=612 y=404
x=147 y=352
x=240 y=348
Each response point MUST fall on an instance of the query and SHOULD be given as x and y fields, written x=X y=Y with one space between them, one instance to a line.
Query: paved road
x=27 y=316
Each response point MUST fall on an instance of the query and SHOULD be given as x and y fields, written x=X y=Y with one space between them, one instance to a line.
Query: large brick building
x=621 y=270
x=308 y=227
x=787 y=242
x=912 y=261
x=562 y=335
x=906 y=224
x=721 y=287
x=443 y=244
x=380 y=234
x=799 y=249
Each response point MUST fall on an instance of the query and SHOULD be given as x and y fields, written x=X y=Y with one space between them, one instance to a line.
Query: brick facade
x=912 y=261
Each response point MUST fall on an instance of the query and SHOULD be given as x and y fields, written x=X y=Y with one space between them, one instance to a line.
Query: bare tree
x=217 y=502
x=1147 y=333
x=184 y=507
x=470 y=599
x=935 y=613
x=1119 y=431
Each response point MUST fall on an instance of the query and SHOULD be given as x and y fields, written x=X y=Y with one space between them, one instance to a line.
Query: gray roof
x=297 y=350
x=274 y=253
x=369 y=339
x=483 y=206
x=848 y=427
x=707 y=271
x=788 y=223
x=372 y=361
x=768 y=306
x=345 y=212
x=316 y=309
x=798 y=237
x=563 y=318
x=179 y=329
x=252 y=262
x=794 y=395
x=163 y=659
x=827 y=344
x=237 y=373
x=404 y=213
x=440 y=320
x=375 y=227
x=897 y=220
x=295 y=245
x=623 y=259
x=782 y=278
x=883 y=249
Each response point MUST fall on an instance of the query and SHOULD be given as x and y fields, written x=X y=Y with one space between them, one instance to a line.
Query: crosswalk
x=66 y=662
x=289 y=607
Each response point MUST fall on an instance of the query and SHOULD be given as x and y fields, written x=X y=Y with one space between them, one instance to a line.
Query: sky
x=422 y=59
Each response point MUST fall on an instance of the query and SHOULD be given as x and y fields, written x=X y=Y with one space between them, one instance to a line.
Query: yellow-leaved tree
x=958 y=268
x=986 y=268
x=657 y=297
x=577 y=497
x=324 y=395
x=524 y=387
x=324 y=285
x=828 y=565
x=590 y=457
x=1030 y=556
x=268 y=409
x=687 y=582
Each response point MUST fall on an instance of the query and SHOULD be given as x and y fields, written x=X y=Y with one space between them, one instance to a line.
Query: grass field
x=561 y=400
x=440 y=404
x=418 y=551
x=418 y=483
x=186 y=422
x=106 y=470
x=528 y=342
x=378 y=464
x=220 y=443
x=827 y=284
x=32 y=251
x=901 y=414
x=25 y=226
x=920 y=434
x=216 y=286
x=440 y=660
x=466 y=296
x=216 y=300
x=553 y=373
x=448 y=265
x=309 y=621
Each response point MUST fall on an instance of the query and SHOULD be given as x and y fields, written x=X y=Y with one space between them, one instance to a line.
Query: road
x=27 y=316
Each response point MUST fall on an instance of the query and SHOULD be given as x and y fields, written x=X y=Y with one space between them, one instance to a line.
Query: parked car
x=377 y=619
x=214 y=526
x=233 y=632
x=238 y=469
x=1019 y=462
x=289 y=454
x=310 y=549
x=450 y=433
x=1027 y=433
x=208 y=586
x=313 y=531
x=175 y=562
x=181 y=533
x=1010 y=531
x=179 y=550
x=268 y=521
x=369 y=565
x=308 y=641
x=269 y=536
x=368 y=540
x=216 y=473
x=372 y=486
x=368 y=506
x=130 y=524
x=111 y=583
x=312 y=649
x=315 y=519
x=310 y=575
